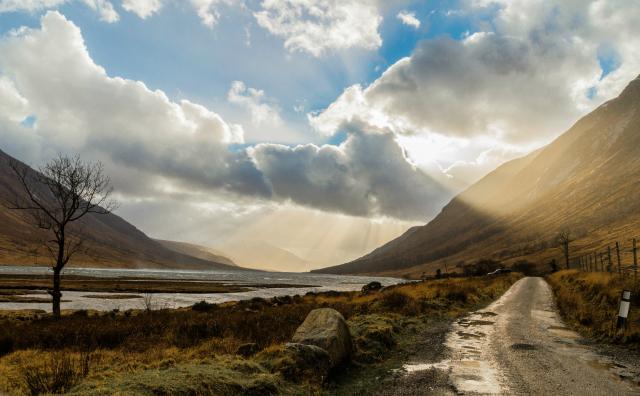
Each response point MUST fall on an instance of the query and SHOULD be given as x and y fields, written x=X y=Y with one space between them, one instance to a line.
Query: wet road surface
x=519 y=345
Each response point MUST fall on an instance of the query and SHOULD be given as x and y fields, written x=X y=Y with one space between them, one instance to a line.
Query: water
x=78 y=300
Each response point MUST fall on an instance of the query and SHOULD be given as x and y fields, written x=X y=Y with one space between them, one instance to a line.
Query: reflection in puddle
x=470 y=369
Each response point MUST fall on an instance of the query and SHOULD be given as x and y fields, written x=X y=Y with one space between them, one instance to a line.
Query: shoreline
x=132 y=285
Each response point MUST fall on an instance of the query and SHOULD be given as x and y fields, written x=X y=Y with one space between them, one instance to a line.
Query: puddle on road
x=469 y=369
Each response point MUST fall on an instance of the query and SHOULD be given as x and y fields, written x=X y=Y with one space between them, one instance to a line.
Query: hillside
x=201 y=252
x=110 y=241
x=262 y=255
x=585 y=181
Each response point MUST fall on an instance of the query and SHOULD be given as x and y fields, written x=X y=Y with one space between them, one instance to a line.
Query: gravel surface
x=519 y=345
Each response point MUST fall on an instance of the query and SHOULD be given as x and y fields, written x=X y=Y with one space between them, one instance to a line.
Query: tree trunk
x=566 y=255
x=55 y=294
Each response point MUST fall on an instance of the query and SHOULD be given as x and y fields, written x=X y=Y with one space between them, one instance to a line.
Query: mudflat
x=11 y=284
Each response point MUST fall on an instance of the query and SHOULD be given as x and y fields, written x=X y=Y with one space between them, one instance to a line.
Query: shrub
x=203 y=306
x=57 y=375
x=525 y=267
x=6 y=345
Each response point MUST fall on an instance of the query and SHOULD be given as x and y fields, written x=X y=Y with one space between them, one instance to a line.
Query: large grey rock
x=309 y=362
x=327 y=329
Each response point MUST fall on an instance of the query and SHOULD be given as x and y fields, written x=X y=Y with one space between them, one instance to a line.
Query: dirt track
x=519 y=345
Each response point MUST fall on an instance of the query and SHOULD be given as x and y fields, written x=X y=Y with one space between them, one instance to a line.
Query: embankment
x=589 y=301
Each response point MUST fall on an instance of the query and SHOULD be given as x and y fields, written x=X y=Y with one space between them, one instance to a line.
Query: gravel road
x=519 y=345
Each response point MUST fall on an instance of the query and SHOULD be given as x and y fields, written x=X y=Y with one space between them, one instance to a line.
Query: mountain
x=201 y=252
x=586 y=181
x=264 y=256
x=110 y=241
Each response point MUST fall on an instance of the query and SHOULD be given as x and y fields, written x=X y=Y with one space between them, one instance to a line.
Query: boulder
x=327 y=329
x=306 y=362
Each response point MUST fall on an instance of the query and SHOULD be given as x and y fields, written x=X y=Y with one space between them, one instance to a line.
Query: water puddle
x=470 y=370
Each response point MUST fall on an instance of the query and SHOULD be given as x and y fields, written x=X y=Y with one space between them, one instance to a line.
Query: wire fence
x=617 y=258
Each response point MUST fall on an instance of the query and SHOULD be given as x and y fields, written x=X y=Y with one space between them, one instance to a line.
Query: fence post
x=635 y=260
x=618 y=254
x=609 y=264
x=601 y=262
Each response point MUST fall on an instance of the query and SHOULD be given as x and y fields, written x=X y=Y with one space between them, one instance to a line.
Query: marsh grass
x=128 y=349
x=590 y=300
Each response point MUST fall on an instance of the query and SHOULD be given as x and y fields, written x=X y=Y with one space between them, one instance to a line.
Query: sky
x=324 y=128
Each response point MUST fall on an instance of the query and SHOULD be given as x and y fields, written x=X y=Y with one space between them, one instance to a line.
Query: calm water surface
x=78 y=300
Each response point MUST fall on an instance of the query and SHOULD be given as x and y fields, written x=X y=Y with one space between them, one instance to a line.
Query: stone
x=309 y=363
x=327 y=329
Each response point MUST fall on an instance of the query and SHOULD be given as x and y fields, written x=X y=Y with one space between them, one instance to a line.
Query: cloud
x=474 y=87
x=367 y=175
x=103 y=7
x=12 y=105
x=316 y=27
x=154 y=146
x=523 y=78
x=255 y=102
x=208 y=9
x=79 y=108
x=408 y=18
x=142 y=8
x=29 y=5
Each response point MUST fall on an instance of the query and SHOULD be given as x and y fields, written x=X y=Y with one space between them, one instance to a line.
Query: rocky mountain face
x=110 y=240
x=586 y=181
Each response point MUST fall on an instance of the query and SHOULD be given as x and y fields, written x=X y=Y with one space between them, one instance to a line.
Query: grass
x=193 y=350
x=589 y=301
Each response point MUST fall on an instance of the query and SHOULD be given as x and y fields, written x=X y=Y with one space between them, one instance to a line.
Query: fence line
x=602 y=260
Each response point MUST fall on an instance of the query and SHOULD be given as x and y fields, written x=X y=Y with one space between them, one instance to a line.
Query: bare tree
x=61 y=193
x=564 y=240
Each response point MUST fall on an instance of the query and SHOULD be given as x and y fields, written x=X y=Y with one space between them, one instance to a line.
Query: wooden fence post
x=609 y=264
x=635 y=260
x=618 y=254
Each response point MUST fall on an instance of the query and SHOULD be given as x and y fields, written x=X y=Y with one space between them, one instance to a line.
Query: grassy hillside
x=110 y=240
x=589 y=301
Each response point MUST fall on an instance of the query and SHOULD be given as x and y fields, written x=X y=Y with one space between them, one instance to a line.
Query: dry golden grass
x=590 y=302
x=128 y=349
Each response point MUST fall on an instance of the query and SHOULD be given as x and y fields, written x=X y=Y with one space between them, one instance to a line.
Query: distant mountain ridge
x=111 y=241
x=201 y=252
x=587 y=180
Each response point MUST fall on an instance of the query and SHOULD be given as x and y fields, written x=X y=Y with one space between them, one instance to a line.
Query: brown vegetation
x=589 y=301
x=188 y=342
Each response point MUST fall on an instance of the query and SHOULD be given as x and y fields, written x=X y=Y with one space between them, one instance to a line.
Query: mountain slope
x=586 y=181
x=262 y=255
x=201 y=252
x=110 y=240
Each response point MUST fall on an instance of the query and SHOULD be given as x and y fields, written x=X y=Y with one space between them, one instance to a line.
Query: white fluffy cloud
x=318 y=26
x=408 y=18
x=79 y=108
x=104 y=8
x=142 y=8
x=262 y=112
x=525 y=77
x=152 y=145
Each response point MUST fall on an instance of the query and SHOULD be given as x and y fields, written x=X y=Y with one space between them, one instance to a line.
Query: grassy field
x=589 y=301
x=195 y=350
